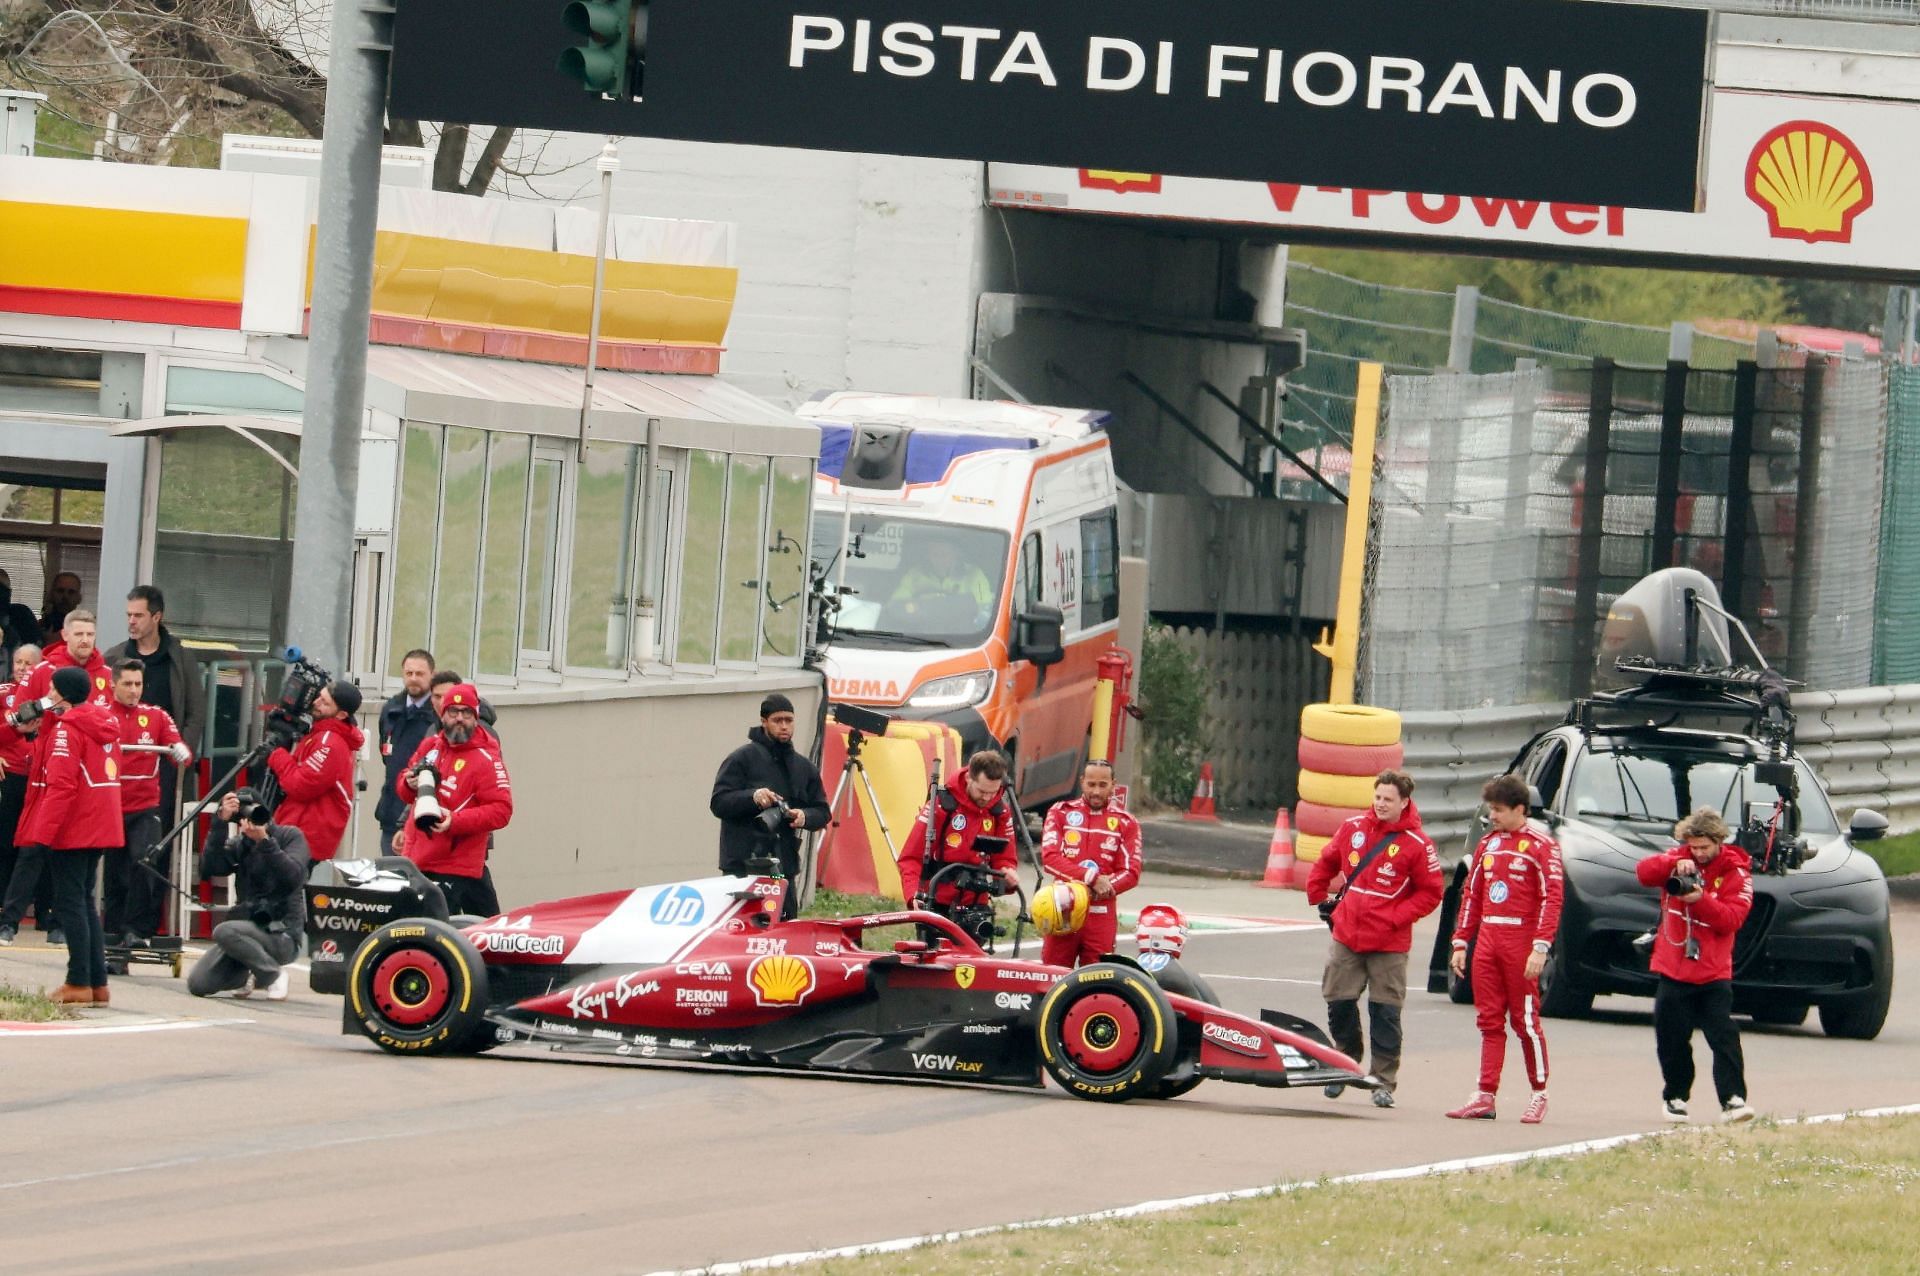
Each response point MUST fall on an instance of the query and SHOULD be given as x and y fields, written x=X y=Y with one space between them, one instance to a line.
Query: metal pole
x=1466 y=318
x=608 y=164
x=1344 y=649
x=319 y=608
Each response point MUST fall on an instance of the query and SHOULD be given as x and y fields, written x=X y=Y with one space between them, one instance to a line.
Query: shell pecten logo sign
x=780 y=980
x=1811 y=181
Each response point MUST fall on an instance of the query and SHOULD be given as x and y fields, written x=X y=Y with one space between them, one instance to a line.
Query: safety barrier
x=1863 y=743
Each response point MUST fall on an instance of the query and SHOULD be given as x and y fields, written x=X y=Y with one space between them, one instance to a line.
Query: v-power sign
x=1597 y=103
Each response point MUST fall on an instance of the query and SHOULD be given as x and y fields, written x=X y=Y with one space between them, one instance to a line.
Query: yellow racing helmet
x=1060 y=908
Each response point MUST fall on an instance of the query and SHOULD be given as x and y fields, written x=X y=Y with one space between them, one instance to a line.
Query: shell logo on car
x=781 y=980
x=1811 y=180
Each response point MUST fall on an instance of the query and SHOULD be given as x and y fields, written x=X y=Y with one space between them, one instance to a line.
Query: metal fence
x=1902 y=11
x=1897 y=604
x=1257 y=685
x=1514 y=507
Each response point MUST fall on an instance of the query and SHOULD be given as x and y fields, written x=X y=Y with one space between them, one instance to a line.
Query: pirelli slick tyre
x=1349 y=724
x=1108 y=1033
x=418 y=986
x=1351 y=791
x=1350 y=759
x=1307 y=847
x=1322 y=821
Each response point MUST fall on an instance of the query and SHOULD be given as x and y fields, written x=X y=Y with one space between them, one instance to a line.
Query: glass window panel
x=81 y=508
x=456 y=581
x=700 y=557
x=603 y=513
x=1099 y=569
x=219 y=391
x=651 y=607
x=543 y=529
x=785 y=617
x=216 y=481
x=741 y=585
x=500 y=574
x=413 y=541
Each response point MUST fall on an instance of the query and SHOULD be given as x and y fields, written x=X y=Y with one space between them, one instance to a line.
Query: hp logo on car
x=681 y=906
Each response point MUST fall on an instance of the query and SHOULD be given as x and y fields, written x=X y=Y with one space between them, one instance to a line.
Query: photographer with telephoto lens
x=457 y=789
x=268 y=862
x=1706 y=892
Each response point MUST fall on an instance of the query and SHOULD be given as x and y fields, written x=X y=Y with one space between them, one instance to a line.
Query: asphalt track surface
x=266 y=1141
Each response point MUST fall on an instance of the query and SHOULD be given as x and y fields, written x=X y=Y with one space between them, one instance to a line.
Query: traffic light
x=604 y=64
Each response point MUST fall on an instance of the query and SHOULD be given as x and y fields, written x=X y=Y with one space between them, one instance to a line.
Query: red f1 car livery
x=705 y=971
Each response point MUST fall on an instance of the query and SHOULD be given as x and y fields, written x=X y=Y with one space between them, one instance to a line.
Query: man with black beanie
x=317 y=775
x=765 y=770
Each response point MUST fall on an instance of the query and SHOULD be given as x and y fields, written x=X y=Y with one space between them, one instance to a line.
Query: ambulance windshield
x=909 y=583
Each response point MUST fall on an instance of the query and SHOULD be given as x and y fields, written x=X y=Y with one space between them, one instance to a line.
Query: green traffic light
x=603 y=64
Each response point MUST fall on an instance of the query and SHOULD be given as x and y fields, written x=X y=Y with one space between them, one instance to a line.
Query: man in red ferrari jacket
x=133 y=895
x=1511 y=905
x=73 y=809
x=16 y=755
x=1387 y=875
x=974 y=804
x=78 y=652
x=1693 y=955
x=317 y=774
x=1090 y=840
x=476 y=801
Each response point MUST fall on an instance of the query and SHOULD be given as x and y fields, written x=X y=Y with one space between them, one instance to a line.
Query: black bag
x=1332 y=902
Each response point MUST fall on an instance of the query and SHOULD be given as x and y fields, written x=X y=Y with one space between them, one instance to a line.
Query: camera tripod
x=855 y=765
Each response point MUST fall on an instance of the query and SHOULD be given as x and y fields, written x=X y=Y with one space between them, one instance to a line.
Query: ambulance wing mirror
x=1038 y=635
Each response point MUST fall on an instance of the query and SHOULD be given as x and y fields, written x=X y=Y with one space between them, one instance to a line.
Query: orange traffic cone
x=1280 y=854
x=1201 y=808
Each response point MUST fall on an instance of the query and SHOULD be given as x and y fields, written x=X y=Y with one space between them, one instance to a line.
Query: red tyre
x=1321 y=821
x=1350 y=759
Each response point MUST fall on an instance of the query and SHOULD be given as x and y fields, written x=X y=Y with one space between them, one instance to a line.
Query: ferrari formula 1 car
x=705 y=971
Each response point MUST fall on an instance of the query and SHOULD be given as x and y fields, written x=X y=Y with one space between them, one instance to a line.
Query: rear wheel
x=1562 y=995
x=1460 y=987
x=418 y=986
x=1860 y=1019
x=1108 y=1033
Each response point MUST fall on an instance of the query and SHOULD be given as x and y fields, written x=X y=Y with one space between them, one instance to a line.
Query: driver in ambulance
x=944 y=575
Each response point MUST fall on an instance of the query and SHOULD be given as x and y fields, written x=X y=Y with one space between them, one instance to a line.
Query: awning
x=249 y=428
x=435 y=388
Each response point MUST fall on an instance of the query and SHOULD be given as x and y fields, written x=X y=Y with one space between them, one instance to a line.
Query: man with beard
x=765 y=770
x=476 y=801
x=1088 y=839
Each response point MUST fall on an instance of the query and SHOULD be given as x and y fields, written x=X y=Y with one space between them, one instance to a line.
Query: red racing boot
x=1536 y=1109
x=1478 y=1108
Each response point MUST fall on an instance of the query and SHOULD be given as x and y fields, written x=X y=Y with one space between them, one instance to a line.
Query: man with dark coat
x=765 y=770
x=406 y=719
x=170 y=674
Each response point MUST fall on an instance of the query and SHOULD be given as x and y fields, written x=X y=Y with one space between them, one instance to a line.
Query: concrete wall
x=610 y=787
x=855 y=270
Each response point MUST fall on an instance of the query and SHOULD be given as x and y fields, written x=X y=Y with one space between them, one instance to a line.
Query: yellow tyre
x=1307 y=847
x=1350 y=724
x=1355 y=792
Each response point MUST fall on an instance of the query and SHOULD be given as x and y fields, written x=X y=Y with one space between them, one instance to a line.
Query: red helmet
x=1161 y=929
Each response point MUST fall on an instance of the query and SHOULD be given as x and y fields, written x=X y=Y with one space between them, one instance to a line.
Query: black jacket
x=269 y=876
x=189 y=697
x=401 y=731
x=762 y=764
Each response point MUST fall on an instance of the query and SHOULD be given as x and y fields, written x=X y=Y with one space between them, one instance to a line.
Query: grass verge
x=1897 y=856
x=1822 y=1198
x=20 y=1006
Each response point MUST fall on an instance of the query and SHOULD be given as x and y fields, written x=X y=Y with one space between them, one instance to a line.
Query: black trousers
x=471 y=895
x=74 y=873
x=1680 y=1008
x=27 y=879
x=132 y=895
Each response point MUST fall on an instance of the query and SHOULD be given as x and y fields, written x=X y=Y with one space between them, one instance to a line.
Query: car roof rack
x=1703 y=697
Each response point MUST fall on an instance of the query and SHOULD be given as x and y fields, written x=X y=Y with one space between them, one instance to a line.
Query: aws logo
x=1810 y=180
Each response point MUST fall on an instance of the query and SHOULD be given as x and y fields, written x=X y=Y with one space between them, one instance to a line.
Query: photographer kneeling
x=268 y=862
x=1706 y=890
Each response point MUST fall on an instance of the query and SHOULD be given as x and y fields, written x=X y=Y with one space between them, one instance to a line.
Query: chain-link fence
x=1514 y=507
x=1897 y=604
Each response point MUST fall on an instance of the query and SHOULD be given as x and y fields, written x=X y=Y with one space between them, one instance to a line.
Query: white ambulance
x=975 y=547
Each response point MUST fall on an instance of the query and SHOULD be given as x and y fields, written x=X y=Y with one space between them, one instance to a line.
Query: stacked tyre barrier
x=1342 y=747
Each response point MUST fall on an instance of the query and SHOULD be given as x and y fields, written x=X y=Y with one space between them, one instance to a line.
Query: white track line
x=1240 y=1194
x=1268 y=979
x=44 y=1030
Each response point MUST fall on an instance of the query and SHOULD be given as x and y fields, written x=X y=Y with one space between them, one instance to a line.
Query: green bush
x=1173 y=693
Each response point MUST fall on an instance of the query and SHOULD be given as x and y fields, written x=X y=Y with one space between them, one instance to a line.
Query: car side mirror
x=1038 y=635
x=1866 y=826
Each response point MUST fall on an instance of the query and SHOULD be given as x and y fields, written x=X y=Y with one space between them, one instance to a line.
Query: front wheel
x=1108 y=1033
x=418 y=986
x=1861 y=1019
x=1562 y=995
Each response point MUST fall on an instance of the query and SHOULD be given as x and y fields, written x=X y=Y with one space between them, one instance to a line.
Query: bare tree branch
x=489 y=162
